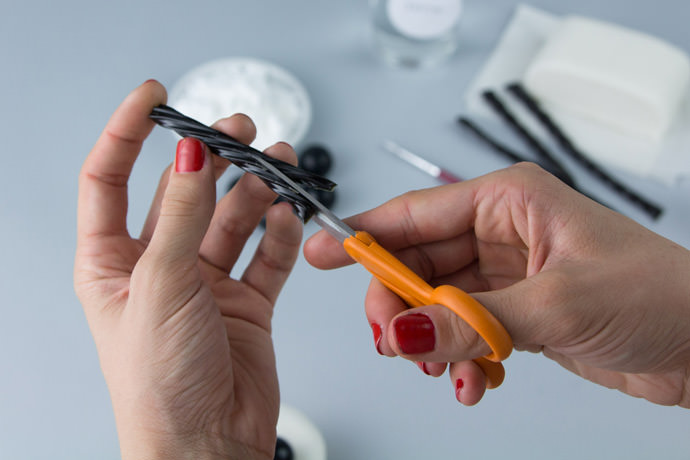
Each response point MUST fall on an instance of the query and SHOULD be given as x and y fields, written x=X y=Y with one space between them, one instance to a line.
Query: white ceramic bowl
x=304 y=438
x=269 y=94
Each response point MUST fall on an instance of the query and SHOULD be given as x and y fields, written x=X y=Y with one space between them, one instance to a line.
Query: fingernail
x=415 y=333
x=189 y=156
x=458 y=386
x=378 y=333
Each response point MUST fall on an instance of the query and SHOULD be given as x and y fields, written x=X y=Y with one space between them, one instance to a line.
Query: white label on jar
x=424 y=19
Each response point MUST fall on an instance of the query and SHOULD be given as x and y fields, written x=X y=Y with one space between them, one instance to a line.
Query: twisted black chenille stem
x=553 y=168
x=244 y=157
x=569 y=147
x=546 y=159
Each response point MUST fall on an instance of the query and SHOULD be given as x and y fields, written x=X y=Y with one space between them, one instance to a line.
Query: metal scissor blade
x=325 y=218
x=334 y=226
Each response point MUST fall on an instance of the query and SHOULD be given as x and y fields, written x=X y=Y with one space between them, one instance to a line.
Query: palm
x=232 y=373
x=253 y=390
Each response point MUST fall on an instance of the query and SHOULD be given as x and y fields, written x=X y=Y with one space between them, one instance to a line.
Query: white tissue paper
x=666 y=161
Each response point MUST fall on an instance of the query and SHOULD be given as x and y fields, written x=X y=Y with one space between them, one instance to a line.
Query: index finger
x=414 y=218
x=102 y=207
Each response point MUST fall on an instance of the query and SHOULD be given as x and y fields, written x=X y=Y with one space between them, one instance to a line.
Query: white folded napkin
x=667 y=161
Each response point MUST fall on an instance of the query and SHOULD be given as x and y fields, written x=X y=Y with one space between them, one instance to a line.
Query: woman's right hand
x=589 y=288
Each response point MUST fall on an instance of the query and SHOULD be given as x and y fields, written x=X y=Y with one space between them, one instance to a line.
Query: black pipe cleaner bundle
x=653 y=210
x=244 y=157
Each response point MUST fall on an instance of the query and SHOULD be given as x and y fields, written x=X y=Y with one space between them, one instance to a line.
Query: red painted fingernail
x=190 y=155
x=415 y=333
x=458 y=386
x=378 y=333
x=422 y=366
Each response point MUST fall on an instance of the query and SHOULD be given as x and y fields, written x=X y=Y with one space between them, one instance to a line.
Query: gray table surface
x=65 y=67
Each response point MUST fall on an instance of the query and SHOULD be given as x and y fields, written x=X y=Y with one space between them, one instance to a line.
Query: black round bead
x=283 y=450
x=316 y=159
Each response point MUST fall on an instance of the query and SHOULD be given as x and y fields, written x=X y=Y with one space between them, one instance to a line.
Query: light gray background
x=65 y=67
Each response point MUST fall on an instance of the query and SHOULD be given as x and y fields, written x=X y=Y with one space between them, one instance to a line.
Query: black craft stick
x=553 y=168
x=490 y=141
x=515 y=158
x=547 y=161
x=653 y=210
x=244 y=157
x=502 y=110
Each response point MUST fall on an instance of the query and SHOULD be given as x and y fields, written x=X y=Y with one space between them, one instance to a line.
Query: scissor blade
x=325 y=218
x=334 y=226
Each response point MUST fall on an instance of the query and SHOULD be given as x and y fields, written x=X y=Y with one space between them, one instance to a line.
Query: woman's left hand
x=185 y=349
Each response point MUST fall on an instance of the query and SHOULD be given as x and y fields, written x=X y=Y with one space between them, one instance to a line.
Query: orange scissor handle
x=416 y=292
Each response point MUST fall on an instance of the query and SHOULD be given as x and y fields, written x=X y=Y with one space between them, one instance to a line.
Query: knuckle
x=181 y=202
x=526 y=172
x=408 y=221
x=528 y=169
x=463 y=339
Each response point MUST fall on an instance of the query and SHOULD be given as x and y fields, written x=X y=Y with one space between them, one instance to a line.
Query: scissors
x=416 y=292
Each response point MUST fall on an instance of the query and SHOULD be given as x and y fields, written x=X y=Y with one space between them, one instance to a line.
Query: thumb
x=186 y=208
x=435 y=333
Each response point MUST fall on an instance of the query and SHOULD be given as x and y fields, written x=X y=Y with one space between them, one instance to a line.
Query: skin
x=186 y=350
x=596 y=292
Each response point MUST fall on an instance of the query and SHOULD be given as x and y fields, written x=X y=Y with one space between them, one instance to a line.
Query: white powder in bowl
x=274 y=99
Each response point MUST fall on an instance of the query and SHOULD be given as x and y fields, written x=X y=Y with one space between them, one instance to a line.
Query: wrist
x=149 y=427
x=185 y=448
x=144 y=439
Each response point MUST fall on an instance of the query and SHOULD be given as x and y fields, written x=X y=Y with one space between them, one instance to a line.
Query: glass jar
x=415 y=33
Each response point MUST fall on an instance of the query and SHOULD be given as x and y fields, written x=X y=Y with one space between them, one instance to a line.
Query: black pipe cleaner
x=652 y=209
x=244 y=157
